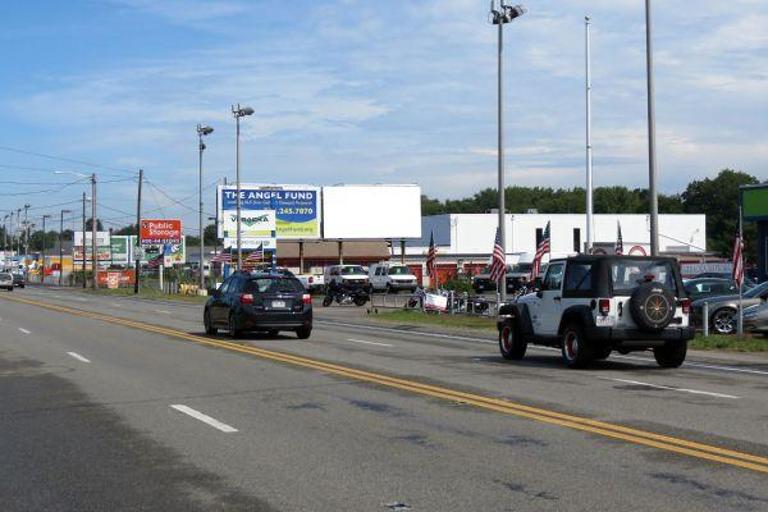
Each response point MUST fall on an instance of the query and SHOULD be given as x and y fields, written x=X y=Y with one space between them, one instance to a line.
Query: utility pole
x=45 y=239
x=590 y=212
x=61 y=248
x=13 y=233
x=652 y=174
x=136 y=256
x=201 y=132
x=501 y=17
x=83 y=247
x=94 y=225
x=26 y=230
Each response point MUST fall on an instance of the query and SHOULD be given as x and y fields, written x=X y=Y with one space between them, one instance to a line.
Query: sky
x=354 y=91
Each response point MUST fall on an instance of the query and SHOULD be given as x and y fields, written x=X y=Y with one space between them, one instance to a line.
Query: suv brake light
x=246 y=298
x=605 y=306
x=685 y=305
x=306 y=298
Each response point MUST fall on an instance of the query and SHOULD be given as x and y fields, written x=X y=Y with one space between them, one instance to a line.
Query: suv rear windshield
x=273 y=285
x=346 y=271
x=628 y=274
x=399 y=271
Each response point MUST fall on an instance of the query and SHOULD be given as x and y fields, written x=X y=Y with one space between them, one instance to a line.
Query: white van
x=392 y=278
x=346 y=275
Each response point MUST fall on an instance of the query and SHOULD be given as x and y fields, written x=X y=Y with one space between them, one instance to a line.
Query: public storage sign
x=160 y=231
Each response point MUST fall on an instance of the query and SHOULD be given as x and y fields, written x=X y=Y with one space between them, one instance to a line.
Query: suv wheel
x=234 y=332
x=209 y=328
x=724 y=321
x=511 y=343
x=671 y=355
x=577 y=352
x=303 y=332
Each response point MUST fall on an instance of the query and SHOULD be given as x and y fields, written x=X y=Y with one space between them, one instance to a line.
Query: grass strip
x=437 y=319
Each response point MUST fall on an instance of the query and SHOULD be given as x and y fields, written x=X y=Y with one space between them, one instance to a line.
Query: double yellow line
x=631 y=435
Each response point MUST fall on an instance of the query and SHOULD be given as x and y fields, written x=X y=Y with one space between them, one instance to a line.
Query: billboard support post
x=301 y=256
x=402 y=251
x=94 y=226
x=82 y=252
x=341 y=252
x=138 y=234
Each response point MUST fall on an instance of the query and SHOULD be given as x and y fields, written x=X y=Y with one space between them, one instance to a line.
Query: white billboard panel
x=372 y=211
x=253 y=224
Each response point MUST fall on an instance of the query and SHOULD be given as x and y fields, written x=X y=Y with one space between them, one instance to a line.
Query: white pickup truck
x=312 y=282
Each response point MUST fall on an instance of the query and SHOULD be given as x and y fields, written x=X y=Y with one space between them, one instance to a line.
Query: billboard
x=754 y=202
x=102 y=246
x=297 y=208
x=372 y=211
x=160 y=231
x=120 y=249
x=253 y=224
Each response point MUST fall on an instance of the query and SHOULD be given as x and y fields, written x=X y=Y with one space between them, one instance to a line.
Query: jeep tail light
x=685 y=305
x=605 y=306
x=306 y=298
x=246 y=298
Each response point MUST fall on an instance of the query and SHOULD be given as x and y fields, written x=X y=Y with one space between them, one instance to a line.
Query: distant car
x=723 y=310
x=312 y=282
x=248 y=302
x=516 y=277
x=709 y=287
x=19 y=281
x=392 y=278
x=347 y=276
x=6 y=281
x=756 y=319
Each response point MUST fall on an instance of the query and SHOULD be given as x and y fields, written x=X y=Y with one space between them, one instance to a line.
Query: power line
x=63 y=159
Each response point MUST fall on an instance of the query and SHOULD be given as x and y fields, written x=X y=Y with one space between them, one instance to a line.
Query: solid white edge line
x=213 y=422
x=687 y=364
x=672 y=388
x=353 y=340
x=79 y=357
x=24 y=330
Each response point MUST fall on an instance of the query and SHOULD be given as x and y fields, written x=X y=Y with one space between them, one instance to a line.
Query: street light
x=652 y=175
x=501 y=16
x=239 y=112
x=202 y=131
x=61 y=247
x=42 y=275
x=26 y=230
x=94 y=224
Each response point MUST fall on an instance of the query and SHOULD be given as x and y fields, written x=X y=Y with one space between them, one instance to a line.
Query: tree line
x=717 y=198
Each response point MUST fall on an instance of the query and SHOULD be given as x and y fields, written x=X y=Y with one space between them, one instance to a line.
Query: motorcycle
x=342 y=296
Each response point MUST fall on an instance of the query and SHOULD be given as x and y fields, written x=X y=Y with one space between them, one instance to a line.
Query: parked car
x=259 y=302
x=6 y=281
x=756 y=319
x=392 y=278
x=347 y=276
x=589 y=306
x=517 y=277
x=723 y=309
x=19 y=279
x=312 y=282
x=709 y=287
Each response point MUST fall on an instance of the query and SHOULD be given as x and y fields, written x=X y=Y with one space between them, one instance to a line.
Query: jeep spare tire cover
x=652 y=306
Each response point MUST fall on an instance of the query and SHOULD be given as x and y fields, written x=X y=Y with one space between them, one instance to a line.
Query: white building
x=470 y=237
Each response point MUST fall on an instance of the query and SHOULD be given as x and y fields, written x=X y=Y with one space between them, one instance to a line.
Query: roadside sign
x=160 y=231
x=253 y=224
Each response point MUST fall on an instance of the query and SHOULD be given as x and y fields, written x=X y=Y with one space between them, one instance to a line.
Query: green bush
x=458 y=285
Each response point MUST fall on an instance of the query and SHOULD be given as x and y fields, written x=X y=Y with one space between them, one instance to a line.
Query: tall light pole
x=5 y=241
x=13 y=233
x=652 y=175
x=588 y=64
x=83 y=247
x=505 y=14
x=202 y=131
x=18 y=230
x=61 y=247
x=42 y=257
x=26 y=230
x=239 y=112
x=94 y=225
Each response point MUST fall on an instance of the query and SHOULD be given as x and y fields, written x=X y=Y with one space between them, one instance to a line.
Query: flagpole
x=741 y=257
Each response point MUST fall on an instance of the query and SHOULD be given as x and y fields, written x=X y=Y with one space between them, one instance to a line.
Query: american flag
x=541 y=250
x=431 y=256
x=619 y=240
x=255 y=255
x=222 y=257
x=738 y=261
x=498 y=261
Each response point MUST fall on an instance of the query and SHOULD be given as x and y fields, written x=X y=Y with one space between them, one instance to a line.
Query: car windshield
x=521 y=268
x=628 y=274
x=399 y=271
x=355 y=269
x=757 y=291
x=5 y=275
x=273 y=285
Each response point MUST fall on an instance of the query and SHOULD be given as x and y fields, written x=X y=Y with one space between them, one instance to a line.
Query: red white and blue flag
x=738 y=261
x=431 y=257
x=543 y=248
x=619 y=240
x=498 y=260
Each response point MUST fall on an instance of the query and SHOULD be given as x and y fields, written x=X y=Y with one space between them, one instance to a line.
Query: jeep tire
x=511 y=342
x=652 y=306
x=671 y=355
x=577 y=352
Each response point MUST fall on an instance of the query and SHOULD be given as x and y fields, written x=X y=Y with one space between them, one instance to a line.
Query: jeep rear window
x=627 y=274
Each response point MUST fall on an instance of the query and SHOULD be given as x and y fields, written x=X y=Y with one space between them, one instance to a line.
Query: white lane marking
x=204 y=418
x=672 y=388
x=24 y=330
x=687 y=364
x=369 y=342
x=163 y=311
x=79 y=357
x=117 y=305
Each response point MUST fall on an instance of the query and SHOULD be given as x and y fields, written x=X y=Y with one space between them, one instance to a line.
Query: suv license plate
x=604 y=321
x=278 y=304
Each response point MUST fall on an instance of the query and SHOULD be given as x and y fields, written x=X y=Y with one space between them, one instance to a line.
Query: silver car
x=6 y=281
x=723 y=310
x=756 y=319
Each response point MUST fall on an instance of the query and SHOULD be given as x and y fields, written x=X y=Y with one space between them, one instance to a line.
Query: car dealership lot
x=362 y=444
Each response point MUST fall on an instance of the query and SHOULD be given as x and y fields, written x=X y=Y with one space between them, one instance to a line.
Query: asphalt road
x=105 y=411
